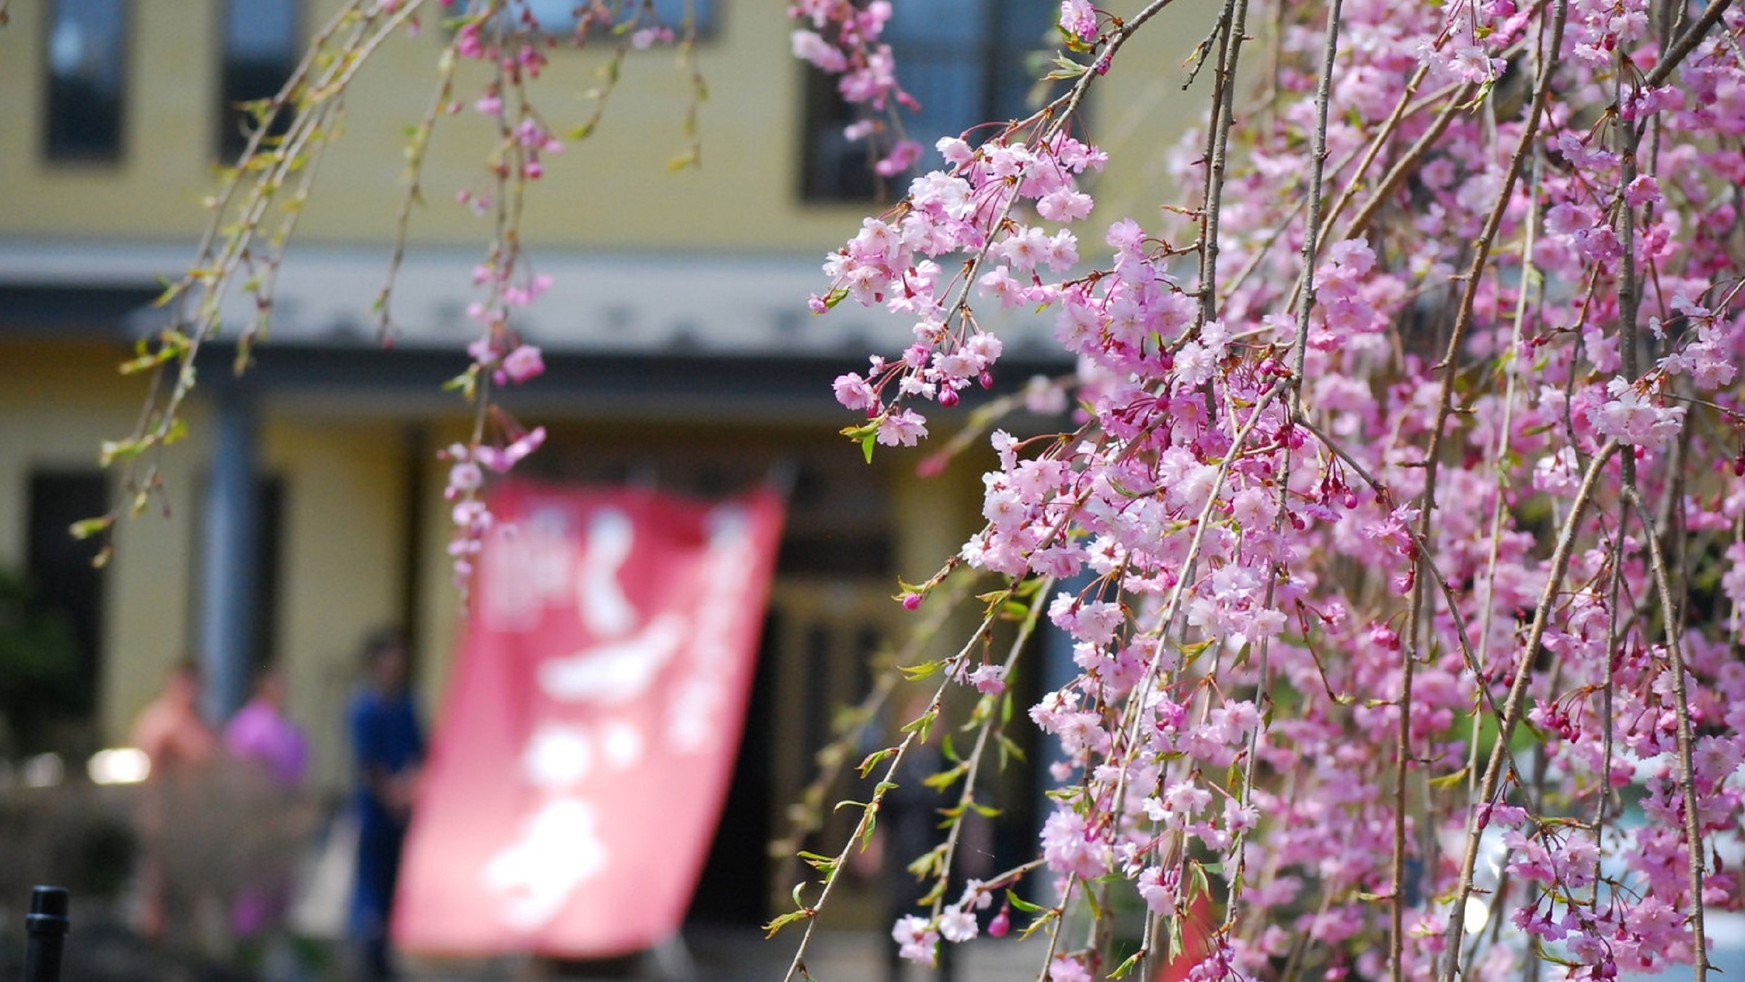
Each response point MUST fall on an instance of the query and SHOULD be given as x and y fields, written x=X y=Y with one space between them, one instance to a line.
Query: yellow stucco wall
x=610 y=191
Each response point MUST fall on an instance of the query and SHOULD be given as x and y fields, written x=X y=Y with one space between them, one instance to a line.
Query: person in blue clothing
x=388 y=747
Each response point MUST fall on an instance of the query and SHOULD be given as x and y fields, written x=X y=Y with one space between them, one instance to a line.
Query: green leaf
x=873 y=759
x=1197 y=883
x=927 y=863
x=110 y=451
x=1066 y=68
x=1447 y=781
x=866 y=434
x=88 y=527
x=1021 y=904
x=943 y=779
x=824 y=864
x=1071 y=39
x=1131 y=963
x=790 y=917
x=1195 y=649
x=134 y=366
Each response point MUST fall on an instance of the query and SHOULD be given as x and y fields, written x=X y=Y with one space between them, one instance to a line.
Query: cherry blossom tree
x=1399 y=522
x=1396 y=524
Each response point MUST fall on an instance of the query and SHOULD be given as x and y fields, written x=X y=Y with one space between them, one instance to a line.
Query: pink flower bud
x=1001 y=923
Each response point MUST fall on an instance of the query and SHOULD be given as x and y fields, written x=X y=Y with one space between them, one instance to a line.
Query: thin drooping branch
x=1511 y=711
x=416 y=150
x=1234 y=21
x=1407 y=161
x=1686 y=43
x=1687 y=785
x=988 y=728
x=1312 y=231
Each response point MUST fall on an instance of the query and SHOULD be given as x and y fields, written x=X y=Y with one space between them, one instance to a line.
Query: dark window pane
x=57 y=684
x=834 y=168
x=260 y=52
x=86 y=43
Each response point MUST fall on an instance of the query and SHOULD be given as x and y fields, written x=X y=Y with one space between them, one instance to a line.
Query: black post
x=46 y=925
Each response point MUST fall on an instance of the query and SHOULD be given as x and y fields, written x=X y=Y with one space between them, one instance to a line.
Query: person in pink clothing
x=261 y=733
x=263 y=740
x=181 y=748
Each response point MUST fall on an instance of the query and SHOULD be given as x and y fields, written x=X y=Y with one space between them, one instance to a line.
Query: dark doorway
x=734 y=889
x=63 y=609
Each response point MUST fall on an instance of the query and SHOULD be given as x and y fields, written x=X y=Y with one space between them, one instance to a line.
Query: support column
x=227 y=563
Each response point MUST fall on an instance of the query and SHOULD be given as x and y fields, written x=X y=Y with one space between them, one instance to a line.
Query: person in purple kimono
x=262 y=739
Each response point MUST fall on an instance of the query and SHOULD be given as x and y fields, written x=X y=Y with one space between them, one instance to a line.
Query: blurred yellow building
x=679 y=348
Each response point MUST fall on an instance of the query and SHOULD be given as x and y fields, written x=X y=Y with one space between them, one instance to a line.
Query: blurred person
x=388 y=747
x=181 y=748
x=271 y=757
x=261 y=733
x=170 y=730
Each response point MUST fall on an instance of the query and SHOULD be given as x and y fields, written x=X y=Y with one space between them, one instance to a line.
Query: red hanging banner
x=590 y=726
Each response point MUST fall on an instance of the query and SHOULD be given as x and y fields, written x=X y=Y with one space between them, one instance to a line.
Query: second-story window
x=963 y=60
x=86 y=69
x=260 y=52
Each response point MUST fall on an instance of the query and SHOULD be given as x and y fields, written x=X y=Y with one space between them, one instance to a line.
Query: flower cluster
x=896 y=261
x=509 y=36
x=842 y=38
x=1396 y=550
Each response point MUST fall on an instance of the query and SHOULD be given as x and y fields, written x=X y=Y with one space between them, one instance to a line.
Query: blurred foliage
x=74 y=834
x=40 y=688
